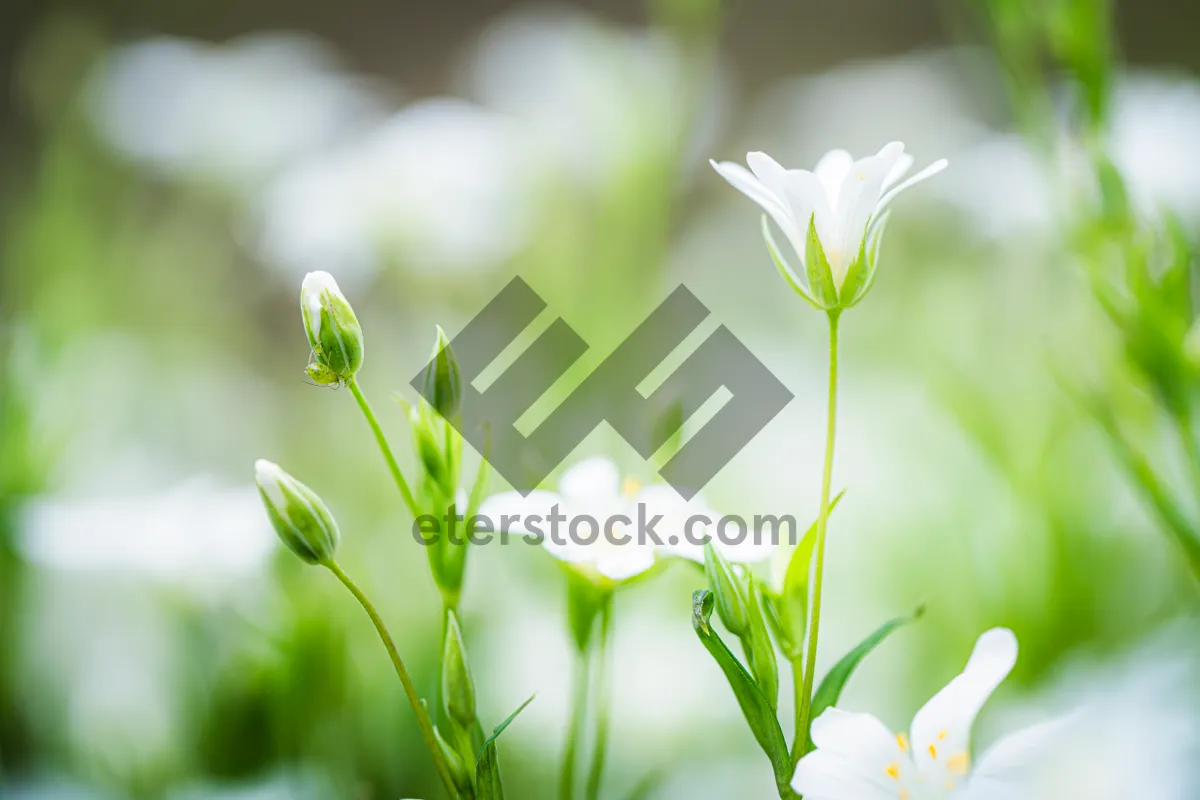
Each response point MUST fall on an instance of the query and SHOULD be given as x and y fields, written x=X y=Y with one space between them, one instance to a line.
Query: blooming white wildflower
x=858 y=758
x=597 y=529
x=833 y=217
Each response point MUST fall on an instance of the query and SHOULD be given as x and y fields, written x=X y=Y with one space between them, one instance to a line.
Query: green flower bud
x=333 y=331
x=726 y=589
x=458 y=687
x=456 y=765
x=443 y=382
x=298 y=515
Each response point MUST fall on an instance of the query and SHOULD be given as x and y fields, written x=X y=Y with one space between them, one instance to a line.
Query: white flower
x=193 y=533
x=842 y=204
x=858 y=758
x=590 y=498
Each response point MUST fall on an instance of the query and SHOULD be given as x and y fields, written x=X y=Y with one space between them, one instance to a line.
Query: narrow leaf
x=792 y=607
x=830 y=690
x=755 y=708
x=488 y=785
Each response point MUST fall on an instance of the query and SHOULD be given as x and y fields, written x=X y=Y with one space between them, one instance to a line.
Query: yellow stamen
x=942 y=736
x=902 y=740
x=933 y=752
x=904 y=795
x=893 y=771
x=958 y=764
x=631 y=486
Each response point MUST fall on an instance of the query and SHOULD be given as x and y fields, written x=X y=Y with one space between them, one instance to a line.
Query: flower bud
x=458 y=687
x=443 y=382
x=455 y=764
x=726 y=589
x=298 y=515
x=333 y=331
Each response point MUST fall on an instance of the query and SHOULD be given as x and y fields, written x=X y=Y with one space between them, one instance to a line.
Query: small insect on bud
x=298 y=515
x=333 y=331
x=443 y=382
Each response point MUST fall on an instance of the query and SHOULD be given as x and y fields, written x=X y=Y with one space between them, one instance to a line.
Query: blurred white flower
x=235 y=112
x=438 y=186
x=1153 y=134
x=593 y=98
x=590 y=496
x=1135 y=729
x=858 y=758
x=844 y=200
x=1021 y=192
x=195 y=531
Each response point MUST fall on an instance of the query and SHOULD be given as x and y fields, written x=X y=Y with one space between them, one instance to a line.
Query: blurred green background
x=1016 y=432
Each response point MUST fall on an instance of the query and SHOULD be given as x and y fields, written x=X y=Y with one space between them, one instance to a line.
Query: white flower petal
x=745 y=182
x=502 y=508
x=857 y=758
x=857 y=201
x=622 y=562
x=807 y=198
x=825 y=776
x=1014 y=760
x=831 y=171
x=941 y=731
x=903 y=165
x=593 y=484
x=928 y=172
x=748 y=184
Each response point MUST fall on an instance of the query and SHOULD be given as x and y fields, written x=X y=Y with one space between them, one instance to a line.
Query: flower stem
x=423 y=721
x=804 y=700
x=603 y=692
x=384 y=447
x=566 y=780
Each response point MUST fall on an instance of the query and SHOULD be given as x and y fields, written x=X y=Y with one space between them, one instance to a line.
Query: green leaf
x=820 y=275
x=760 y=652
x=830 y=690
x=755 y=708
x=488 y=785
x=784 y=268
x=791 y=607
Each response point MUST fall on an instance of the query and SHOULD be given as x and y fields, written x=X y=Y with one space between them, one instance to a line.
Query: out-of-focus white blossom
x=234 y=112
x=438 y=186
x=195 y=531
x=591 y=97
x=1134 y=728
x=1154 y=130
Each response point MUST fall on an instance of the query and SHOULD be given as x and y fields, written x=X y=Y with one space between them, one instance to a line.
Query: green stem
x=384 y=447
x=603 y=692
x=804 y=700
x=566 y=780
x=1156 y=493
x=423 y=721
